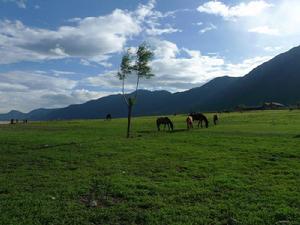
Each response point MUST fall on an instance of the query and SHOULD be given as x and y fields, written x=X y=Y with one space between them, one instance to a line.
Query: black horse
x=216 y=119
x=165 y=121
x=108 y=117
x=200 y=117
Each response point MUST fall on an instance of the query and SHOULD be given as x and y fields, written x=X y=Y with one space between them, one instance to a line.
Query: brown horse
x=189 y=122
x=200 y=117
x=165 y=121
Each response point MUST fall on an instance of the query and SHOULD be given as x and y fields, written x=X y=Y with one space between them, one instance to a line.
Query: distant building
x=273 y=105
x=265 y=106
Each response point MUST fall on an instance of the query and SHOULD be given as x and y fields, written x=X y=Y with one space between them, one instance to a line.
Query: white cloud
x=208 y=28
x=264 y=30
x=58 y=73
x=30 y=90
x=153 y=31
x=183 y=72
x=164 y=49
x=241 y=69
x=252 y=8
x=92 y=38
x=57 y=100
x=273 y=48
x=20 y=3
x=37 y=81
x=283 y=18
x=106 y=80
x=273 y=18
x=149 y=18
x=178 y=69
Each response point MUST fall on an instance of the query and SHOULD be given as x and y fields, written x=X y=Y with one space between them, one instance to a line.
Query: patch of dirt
x=100 y=196
x=99 y=201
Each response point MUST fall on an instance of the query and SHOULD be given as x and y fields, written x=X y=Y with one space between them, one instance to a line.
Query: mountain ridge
x=275 y=80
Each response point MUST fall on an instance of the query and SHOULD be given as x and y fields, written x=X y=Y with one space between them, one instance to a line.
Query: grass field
x=246 y=170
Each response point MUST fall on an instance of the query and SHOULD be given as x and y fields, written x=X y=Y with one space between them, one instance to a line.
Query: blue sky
x=55 y=53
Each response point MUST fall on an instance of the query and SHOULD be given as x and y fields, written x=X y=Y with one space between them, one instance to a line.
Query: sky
x=60 y=52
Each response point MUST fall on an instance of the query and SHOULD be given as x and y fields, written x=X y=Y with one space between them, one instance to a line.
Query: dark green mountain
x=12 y=114
x=277 y=80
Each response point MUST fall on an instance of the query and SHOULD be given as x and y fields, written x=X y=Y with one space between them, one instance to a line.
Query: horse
x=215 y=119
x=165 y=121
x=108 y=117
x=200 y=117
x=189 y=122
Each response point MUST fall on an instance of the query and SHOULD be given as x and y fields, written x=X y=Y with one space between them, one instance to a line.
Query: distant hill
x=277 y=80
x=12 y=114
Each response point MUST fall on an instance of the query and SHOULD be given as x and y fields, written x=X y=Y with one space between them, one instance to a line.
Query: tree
x=140 y=68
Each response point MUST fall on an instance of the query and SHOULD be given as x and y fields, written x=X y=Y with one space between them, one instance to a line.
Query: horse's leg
x=199 y=123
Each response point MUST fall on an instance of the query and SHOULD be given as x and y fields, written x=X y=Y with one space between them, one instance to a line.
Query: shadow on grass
x=297 y=136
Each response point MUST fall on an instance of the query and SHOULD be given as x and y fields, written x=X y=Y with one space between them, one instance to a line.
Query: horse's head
x=171 y=125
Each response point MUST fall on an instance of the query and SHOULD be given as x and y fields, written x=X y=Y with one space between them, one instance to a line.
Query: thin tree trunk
x=123 y=92
x=137 y=86
x=129 y=117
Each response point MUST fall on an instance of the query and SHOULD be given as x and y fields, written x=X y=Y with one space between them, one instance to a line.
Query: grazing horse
x=200 y=117
x=216 y=119
x=189 y=122
x=165 y=121
x=108 y=117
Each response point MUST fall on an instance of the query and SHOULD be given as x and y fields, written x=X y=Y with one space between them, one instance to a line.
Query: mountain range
x=277 y=80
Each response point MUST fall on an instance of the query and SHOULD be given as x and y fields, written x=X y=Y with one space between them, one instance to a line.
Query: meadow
x=246 y=170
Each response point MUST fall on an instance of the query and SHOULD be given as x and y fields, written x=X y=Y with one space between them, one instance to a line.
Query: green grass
x=246 y=170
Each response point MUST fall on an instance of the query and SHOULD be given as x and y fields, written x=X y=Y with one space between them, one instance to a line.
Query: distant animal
x=108 y=117
x=164 y=121
x=12 y=121
x=25 y=121
x=200 y=118
x=216 y=119
x=189 y=122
